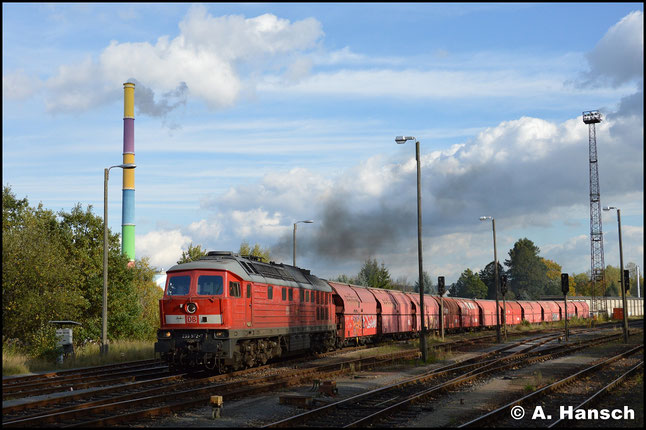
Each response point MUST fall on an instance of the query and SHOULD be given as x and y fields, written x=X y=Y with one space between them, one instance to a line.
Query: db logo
x=191 y=319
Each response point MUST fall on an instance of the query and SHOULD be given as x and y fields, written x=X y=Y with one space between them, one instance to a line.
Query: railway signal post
x=441 y=290
x=503 y=291
x=565 y=287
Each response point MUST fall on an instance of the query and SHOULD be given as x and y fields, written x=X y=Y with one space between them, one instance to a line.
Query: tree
x=256 y=251
x=553 y=273
x=469 y=285
x=401 y=284
x=429 y=288
x=372 y=275
x=527 y=271
x=344 y=279
x=612 y=290
x=193 y=253
x=52 y=269
x=581 y=284
x=632 y=268
x=612 y=277
x=488 y=276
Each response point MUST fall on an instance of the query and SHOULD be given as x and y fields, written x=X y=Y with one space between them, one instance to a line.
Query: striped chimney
x=128 y=207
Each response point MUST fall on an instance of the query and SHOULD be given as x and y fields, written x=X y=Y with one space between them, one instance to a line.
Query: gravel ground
x=447 y=411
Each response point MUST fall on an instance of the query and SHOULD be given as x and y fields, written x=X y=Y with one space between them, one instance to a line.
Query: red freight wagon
x=550 y=310
x=582 y=309
x=431 y=310
x=388 y=318
x=531 y=311
x=348 y=311
x=451 y=312
x=487 y=312
x=514 y=313
x=405 y=310
x=571 y=309
x=368 y=310
x=469 y=313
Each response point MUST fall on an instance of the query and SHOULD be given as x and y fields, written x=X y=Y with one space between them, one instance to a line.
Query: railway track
x=154 y=396
x=551 y=398
x=179 y=395
x=140 y=371
x=389 y=403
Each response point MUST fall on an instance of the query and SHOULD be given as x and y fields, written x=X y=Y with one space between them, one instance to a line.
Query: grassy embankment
x=15 y=362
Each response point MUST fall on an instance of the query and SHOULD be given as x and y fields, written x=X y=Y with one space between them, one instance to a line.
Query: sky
x=250 y=117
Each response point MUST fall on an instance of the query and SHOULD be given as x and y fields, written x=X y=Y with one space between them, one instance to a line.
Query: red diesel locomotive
x=227 y=311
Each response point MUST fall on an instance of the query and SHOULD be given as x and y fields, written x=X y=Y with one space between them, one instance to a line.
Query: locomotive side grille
x=272 y=272
x=248 y=268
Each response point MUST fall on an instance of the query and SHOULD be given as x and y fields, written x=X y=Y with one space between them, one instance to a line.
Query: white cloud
x=206 y=230
x=529 y=173
x=19 y=86
x=619 y=55
x=163 y=248
x=257 y=223
x=208 y=56
x=435 y=84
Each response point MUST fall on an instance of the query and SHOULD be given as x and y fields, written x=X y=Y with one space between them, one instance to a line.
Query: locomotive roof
x=251 y=268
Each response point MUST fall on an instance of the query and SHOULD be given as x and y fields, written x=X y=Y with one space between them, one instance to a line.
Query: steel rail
x=602 y=391
x=547 y=389
x=470 y=376
x=11 y=380
x=201 y=395
x=566 y=348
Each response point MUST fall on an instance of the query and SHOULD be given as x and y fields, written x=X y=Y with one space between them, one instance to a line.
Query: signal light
x=626 y=280
x=565 y=283
x=503 y=284
x=441 y=289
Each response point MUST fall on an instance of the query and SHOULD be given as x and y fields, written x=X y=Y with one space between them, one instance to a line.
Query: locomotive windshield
x=178 y=285
x=208 y=285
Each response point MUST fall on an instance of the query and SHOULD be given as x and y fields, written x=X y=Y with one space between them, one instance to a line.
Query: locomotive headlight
x=191 y=308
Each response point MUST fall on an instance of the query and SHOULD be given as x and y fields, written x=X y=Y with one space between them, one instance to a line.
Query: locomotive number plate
x=191 y=319
x=191 y=336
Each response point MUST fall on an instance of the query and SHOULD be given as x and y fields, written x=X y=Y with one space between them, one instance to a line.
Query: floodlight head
x=607 y=208
x=484 y=218
x=403 y=139
x=307 y=221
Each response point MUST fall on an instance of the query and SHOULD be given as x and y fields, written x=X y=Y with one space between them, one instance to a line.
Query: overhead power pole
x=596 y=234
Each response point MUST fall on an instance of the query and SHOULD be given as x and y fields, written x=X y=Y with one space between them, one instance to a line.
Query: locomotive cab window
x=284 y=292
x=178 y=285
x=291 y=294
x=270 y=292
x=210 y=285
x=234 y=289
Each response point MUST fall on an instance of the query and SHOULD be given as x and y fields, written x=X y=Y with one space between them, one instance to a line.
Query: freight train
x=226 y=312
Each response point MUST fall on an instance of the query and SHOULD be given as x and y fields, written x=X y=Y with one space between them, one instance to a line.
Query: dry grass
x=14 y=362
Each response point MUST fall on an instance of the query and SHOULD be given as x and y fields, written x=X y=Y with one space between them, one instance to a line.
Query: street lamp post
x=621 y=263
x=422 y=336
x=495 y=258
x=106 y=176
x=309 y=221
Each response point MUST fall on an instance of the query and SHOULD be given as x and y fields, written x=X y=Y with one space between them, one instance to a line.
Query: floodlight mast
x=597 y=266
